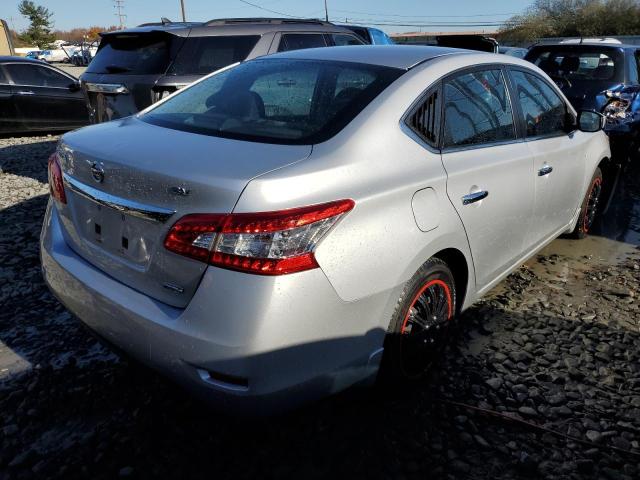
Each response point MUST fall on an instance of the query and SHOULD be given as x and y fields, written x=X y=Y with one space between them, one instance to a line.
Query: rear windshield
x=276 y=100
x=582 y=63
x=202 y=55
x=135 y=54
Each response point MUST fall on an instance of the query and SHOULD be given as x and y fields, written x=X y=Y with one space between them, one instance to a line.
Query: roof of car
x=235 y=26
x=587 y=44
x=397 y=56
x=7 y=58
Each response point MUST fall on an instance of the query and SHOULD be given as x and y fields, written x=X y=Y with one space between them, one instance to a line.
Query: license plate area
x=116 y=233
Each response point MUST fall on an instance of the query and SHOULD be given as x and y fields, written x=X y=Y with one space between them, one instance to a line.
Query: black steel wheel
x=420 y=322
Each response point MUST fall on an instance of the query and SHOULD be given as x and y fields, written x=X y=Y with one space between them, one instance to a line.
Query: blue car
x=600 y=75
x=372 y=36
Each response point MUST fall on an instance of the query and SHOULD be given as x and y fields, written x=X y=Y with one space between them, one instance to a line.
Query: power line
x=426 y=16
x=269 y=10
x=119 y=5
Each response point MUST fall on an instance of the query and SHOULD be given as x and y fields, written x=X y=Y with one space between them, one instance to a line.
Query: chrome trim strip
x=106 y=87
x=130 y=207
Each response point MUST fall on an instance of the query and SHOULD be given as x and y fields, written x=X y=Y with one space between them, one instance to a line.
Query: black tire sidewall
x=433 y=269
x=579 y=231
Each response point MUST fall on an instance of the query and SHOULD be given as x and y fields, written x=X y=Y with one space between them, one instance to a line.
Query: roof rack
x=275 y=21
x=165 y=21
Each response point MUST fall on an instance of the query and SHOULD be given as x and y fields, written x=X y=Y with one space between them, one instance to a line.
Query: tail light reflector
x=56 y=185
x=267 y=243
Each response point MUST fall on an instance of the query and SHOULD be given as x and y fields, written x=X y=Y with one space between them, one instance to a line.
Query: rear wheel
x=420 y=322
x=589 y=208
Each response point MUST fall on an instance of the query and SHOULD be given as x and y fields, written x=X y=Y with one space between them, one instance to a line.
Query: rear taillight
x=56 y=186
x=267 y=243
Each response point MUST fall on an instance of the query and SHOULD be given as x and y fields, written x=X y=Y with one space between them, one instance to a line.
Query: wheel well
x=458 y=264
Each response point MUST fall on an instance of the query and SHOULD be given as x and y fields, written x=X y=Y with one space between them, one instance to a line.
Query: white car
x=282 y=228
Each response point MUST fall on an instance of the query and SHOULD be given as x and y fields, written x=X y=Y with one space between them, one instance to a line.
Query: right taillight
x=266 y=243
x=56 y=185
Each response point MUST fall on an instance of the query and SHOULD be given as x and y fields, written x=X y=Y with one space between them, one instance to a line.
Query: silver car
x=296 y=224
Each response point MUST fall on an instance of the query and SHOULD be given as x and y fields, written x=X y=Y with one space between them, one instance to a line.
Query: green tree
x=39 y=31
x=573 y=18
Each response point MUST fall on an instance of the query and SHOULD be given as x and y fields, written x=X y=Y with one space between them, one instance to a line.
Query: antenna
x=326 y=12
x=184 y=17
x=119 y=5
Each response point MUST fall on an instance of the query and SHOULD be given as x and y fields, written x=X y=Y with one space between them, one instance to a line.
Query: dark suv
x=601 y=76
x=136 y=67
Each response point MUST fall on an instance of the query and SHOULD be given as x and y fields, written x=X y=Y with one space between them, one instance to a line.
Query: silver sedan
x=296 y=224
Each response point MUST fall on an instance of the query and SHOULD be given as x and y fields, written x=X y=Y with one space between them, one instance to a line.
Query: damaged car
x=600 y=75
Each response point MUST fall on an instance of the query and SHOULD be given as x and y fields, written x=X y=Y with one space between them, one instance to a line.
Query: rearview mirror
x=590 y=121
x=74 y=87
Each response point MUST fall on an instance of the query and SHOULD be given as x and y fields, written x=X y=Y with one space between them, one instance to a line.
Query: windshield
x=202 y=55
x=275 y=100
x=582 y=63
x=136 y=54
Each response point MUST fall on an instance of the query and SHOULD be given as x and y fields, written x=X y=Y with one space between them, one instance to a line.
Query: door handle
x=546 y=170
x=25 y=92
x=474 y=197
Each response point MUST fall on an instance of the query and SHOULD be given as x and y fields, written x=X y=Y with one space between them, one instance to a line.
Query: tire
x=589 y=208
x=410 y=349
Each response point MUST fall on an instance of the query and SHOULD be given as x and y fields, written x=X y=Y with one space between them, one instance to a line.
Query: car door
x=557 y=149
x=8 y=120
x=46 y=99
x=488 y=169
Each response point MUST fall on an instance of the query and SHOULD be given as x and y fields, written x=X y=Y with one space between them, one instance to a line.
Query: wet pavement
x=540 y=380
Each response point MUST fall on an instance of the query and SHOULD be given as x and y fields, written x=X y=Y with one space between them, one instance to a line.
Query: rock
x=126 y=471
x=495 y=383
x=528 y=411
x=593 y=436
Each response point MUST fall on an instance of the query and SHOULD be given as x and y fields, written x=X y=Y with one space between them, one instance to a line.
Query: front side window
x=202 y=55
x=37 y=76
x=544 y=111
x=477 y=109
x=275 y=100
x=299 y=41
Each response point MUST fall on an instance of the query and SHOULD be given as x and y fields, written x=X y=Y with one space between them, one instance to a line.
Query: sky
x=400 y=15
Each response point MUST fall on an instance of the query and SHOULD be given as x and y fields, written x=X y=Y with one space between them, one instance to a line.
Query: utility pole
x=184 y=18
x=119 y=5
x=326 y=12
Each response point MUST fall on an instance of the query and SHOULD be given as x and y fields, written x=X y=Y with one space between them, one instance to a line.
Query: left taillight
x=265 y=243
x=56 y=185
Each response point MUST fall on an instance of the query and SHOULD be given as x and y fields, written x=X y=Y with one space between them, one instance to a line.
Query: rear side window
x=36 y=76
x=341 y=39
x=424 y=120
x=299 y=41
x=580 y=63
x=275 y=100
x=136 y=54
x=544 y=111
x=3 y=78
x=202 y=55
x=477 y=109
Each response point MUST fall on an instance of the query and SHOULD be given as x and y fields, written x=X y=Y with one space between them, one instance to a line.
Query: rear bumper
x=244 y=342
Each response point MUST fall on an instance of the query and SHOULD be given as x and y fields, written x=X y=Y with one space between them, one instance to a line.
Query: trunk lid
x=128 y=182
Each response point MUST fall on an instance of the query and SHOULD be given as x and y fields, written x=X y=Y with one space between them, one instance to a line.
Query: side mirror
x=74 y=87
x=590 y=121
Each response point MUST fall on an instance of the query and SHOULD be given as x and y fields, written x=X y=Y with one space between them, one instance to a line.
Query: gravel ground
x=540 y=380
